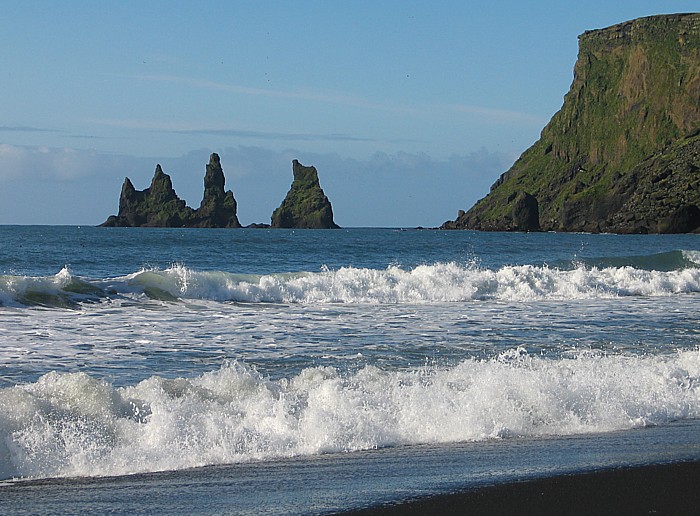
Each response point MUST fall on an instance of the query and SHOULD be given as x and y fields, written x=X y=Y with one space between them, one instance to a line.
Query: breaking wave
x=62 y=290
x=75 y=425
x=657 y=275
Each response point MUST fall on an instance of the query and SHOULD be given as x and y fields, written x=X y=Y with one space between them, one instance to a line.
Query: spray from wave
x=76 y=425
x=445 y=282
x=62 y=290
x=436 y=283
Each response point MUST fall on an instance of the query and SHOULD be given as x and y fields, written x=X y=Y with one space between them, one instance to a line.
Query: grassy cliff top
x=636 y=90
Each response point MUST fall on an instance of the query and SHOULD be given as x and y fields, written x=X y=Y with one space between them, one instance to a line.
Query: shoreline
x=651 y=469
x=670 y=488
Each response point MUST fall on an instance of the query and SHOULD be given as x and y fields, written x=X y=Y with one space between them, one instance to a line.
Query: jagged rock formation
x=218 y=208
x=159 y=205
x=305 y=206
x=623 y=153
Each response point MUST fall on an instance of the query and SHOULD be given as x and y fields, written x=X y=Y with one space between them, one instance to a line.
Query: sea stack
x=623 y=153
x=305 y=206
x=218 y=207
x=159 y=205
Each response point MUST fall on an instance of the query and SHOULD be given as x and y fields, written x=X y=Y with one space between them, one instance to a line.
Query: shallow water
x=128 y=351
x=331 y=483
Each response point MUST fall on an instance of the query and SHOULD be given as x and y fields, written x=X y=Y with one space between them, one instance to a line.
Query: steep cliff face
x=218 y=208
x=633 y=112
x=305 y=206
x=159 y=205
x=156 y=206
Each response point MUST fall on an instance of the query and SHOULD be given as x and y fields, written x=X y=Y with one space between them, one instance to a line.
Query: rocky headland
x=159 y=205
x=305 y=206
x=622 y=155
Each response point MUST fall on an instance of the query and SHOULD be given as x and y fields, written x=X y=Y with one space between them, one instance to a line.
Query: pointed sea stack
x=159 y=205
x=623 y=153
x=305 y=206
x=156 y=206
x=218 y=208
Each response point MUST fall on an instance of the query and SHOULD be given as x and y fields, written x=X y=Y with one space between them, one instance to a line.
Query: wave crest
x=63 y=290
x=436 y=283
x=72 y=424
x=442 y=282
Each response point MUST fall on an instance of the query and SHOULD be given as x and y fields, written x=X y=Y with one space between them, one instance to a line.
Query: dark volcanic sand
x=656 y=489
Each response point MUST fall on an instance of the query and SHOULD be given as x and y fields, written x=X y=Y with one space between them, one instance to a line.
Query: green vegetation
x=305 y=206
x=159 y=205
x=635 y=95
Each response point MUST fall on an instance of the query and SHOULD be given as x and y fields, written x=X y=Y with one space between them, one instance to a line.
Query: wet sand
x=510 y=476
x=656 y=489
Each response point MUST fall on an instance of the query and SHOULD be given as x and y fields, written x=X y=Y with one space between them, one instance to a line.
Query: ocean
x=279 y=371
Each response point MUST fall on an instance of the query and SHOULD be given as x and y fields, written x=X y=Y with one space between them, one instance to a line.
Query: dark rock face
x=661 y=194
x=684 y=220
x=305 y=206
x=521 y=214
x=218 y=208
x=159 y=205
x=622 y=153
x=526 y=213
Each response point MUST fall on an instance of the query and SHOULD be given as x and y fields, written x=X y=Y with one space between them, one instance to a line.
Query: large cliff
x=623 y=153
x=305 y=206
x=159 y=205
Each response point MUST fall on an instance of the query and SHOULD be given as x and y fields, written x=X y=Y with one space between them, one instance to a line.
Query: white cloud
x=40 y=162
x=45 y=185
x=401 y=189
x=62 y=164
x=488 y=115
x=25 y=129
x=41 y=185
x=224 y=131
x=313 y=96
x=500 y=116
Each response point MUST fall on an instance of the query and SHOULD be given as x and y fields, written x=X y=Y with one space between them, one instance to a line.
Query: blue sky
x=409 y=110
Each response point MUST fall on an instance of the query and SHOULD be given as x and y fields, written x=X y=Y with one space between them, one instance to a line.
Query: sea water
x=129 y=351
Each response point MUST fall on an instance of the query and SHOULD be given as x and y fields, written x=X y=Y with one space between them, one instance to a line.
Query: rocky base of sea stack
x=305 y=206
x=159 y=205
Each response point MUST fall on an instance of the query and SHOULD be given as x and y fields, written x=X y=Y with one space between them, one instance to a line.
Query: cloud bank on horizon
x=408 y=111
x=389 y=190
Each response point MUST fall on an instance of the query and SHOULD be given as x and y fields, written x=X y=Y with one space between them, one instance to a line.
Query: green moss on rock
x=218 y=207
x=159 y=205
x=635 y=97
x=305 y=206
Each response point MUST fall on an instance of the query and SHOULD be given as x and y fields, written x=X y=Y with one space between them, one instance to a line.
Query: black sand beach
x=650 y=470
x=655 y=489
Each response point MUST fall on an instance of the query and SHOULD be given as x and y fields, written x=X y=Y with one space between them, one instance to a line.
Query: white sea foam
x=442 y=282
x=692 y=256
x=436 y=283
x=72 y=424
x=60 y=290
x=13 y=289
